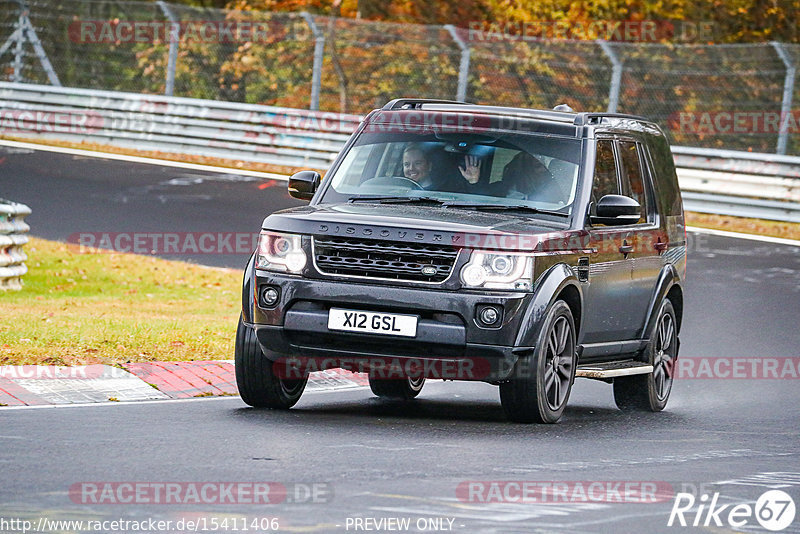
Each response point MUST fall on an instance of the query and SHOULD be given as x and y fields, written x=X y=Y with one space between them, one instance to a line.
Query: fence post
x=463 y=67
x=20 y=33
x=786 y=101
x=616 y=75
x=174 y=42
x=319 y=51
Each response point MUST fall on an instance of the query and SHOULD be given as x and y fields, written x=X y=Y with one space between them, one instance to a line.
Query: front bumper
x=447 y=330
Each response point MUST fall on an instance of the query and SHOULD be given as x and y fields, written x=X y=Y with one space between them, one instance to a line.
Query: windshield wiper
x=503 y=207
x=397 y=200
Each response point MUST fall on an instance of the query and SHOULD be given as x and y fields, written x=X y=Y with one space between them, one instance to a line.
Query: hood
x=400 y=222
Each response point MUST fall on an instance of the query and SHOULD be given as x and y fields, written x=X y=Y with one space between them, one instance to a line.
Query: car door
x=648 y=240
x=607 y=294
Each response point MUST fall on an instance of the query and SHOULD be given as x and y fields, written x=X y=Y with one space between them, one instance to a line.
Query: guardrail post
x=319 y=51
x=786 y=101
x=12 y=238
x=616 y=75
x=174 y=42
x=463 y=67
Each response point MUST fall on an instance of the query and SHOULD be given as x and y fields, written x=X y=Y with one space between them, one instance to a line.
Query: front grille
x=383 y=259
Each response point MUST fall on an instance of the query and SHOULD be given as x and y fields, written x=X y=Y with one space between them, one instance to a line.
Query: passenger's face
x=415 y=165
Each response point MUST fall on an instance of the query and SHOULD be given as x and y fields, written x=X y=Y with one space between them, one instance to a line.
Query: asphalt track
x=377 y=459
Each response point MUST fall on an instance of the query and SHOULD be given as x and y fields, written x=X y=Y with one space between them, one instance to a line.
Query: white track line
x=139 y=159
x=164 y=401
x=751 y=237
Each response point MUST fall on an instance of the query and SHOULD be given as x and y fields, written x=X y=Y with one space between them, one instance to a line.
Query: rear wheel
x=541 y=395
x=650 y=392
x=258 y=384
x=396 y=388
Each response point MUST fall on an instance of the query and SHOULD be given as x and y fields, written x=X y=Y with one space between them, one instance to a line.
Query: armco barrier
x=279 y=136
x=12 y=237
x=744 y=184
x=714 y=181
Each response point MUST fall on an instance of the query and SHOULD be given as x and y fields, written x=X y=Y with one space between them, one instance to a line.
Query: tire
x=541 y=395
x=396 y=388
x=650 y=392
x=258 y=385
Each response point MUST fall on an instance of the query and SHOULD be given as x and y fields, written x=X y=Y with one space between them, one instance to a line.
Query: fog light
x=269 y=296
x=489 y=315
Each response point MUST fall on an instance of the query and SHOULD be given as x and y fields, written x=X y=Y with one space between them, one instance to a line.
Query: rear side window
x=669 y=196
x=631 y=175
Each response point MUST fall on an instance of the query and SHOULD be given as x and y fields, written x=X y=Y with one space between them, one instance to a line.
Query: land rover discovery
x=518 y=247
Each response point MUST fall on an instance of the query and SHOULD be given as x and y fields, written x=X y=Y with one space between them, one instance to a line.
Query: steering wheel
x=398 y=181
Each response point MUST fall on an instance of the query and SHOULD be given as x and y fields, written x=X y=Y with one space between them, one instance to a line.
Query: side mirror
x=304 y=184
x=616 y=210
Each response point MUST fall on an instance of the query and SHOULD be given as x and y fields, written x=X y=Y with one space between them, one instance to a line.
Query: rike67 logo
x=774 y=510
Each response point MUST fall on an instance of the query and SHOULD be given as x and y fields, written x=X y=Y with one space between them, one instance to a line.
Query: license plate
x=392 y=324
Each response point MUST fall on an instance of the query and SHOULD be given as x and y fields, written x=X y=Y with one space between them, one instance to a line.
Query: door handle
x=626 y=249
x=661 y=246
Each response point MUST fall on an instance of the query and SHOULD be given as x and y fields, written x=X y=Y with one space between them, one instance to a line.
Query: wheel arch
x=572 y=296
x=248 y=291
x=558 y=282
x=675 y=294
x=667 y=286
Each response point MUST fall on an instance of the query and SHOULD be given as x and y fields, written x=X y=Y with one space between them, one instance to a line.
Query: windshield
x=489 y=168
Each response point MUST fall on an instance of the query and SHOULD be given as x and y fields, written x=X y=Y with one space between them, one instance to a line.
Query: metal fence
x=298 y=60
x=12 y=237
x=726 y=182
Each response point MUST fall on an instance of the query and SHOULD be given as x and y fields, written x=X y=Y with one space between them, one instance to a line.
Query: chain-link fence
x=738 y=97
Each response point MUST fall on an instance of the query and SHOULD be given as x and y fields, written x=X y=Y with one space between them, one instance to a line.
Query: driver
x=417 y=165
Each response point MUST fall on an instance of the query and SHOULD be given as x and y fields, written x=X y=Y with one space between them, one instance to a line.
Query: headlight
x=496 y=270
x=280 y=253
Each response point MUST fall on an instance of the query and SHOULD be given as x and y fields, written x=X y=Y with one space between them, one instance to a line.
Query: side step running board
x=612 y=369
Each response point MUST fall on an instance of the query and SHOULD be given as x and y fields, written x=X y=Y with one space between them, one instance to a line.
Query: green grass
x=78 y=308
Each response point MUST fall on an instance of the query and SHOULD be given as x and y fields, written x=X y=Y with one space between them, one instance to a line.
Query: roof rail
x=585 y=118
x=416 y=103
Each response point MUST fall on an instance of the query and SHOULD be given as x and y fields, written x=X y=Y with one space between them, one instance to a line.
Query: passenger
x=527 y=178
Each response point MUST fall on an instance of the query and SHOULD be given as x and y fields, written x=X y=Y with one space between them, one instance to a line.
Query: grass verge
x=785 y=230
x=112 y=308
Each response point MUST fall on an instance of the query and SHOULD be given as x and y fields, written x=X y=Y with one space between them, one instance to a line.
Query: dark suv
x=517 y=247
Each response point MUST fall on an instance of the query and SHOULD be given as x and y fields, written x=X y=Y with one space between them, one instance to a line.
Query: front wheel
x=396 y=388
x=541 y=393
x=259 y=385
x=650 y=392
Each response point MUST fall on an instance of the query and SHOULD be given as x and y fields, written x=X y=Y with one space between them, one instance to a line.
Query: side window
x=632 y=180
x=605 y=172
